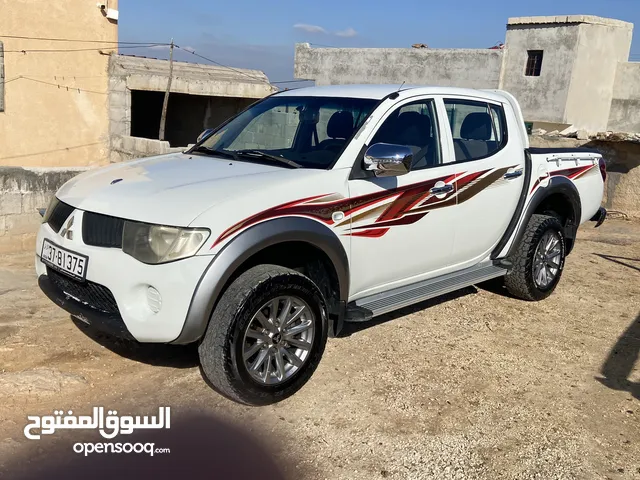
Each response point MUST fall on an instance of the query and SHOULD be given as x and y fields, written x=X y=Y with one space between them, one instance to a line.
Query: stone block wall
x=22 y=192
x=622 y=188
x=125 y=148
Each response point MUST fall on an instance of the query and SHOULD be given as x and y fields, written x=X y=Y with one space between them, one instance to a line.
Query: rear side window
x=479 y=129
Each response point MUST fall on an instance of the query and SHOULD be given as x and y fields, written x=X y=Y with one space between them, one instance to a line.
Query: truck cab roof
x=379 y=92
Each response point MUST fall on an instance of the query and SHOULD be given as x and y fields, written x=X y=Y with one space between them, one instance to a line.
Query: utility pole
x=163 y=117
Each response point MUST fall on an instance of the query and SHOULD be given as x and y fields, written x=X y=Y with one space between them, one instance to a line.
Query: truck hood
x=170 y=189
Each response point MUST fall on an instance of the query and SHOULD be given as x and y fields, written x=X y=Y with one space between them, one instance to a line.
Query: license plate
x=63 y=260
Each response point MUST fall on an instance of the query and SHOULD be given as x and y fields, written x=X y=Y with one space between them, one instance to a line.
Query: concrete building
x=202 y=96
x=69 y=102
x=568 y=70
x=76 y=102
x=53 y=94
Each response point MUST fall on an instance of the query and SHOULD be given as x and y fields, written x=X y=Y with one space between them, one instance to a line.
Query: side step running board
x=381 y=303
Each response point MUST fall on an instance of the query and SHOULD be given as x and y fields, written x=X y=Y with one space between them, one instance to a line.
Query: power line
x=69 y=88
x=192 y=52
x=78 y=40
x=52 y=151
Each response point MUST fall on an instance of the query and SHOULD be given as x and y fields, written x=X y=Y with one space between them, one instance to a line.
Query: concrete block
x=568 y=131
x=28 y=241
x=23 y=223
x=31 y=202
x=117 y=100
x=10 y=244
x=10 y=203
x=117 y=84
x=128 y=143
x=118 y=114
x=117 y=143
x=582 y=135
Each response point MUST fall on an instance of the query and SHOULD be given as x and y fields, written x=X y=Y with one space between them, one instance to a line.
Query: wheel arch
x=281 y=241
x=561 y=197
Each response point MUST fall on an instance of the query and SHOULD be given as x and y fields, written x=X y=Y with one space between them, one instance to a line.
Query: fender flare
x=563 y=186
x=242 y=247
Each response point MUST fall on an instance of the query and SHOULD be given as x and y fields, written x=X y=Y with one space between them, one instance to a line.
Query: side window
x=416 y=126
x=478 y=129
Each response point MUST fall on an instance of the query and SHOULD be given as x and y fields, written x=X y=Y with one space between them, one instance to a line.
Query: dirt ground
x=472 y=385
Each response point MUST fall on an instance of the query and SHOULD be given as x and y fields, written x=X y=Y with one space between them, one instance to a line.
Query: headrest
x=413 y=128
x=476 y=126
x=340 y=125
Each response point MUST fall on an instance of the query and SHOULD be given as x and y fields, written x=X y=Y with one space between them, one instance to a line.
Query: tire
x=521 y=280
x=236 y=321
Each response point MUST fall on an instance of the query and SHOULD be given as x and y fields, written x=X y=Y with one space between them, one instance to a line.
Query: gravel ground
x=472 y=385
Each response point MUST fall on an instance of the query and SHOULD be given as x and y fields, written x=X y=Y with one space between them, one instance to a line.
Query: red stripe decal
x=373 y=233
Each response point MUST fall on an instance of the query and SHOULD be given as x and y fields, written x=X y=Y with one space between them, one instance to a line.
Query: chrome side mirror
x=204 y=134
x=388 y=160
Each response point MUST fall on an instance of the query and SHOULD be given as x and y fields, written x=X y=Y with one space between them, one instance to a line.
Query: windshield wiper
x=221 y=153
x=261 y=154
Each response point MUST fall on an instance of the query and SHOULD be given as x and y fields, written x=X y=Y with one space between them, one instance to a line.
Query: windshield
x=309 y=132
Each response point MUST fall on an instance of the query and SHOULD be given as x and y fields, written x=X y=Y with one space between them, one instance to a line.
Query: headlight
x=159 y=244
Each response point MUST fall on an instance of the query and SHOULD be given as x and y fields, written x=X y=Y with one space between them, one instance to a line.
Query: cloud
x=310 y=28
x=349 y=32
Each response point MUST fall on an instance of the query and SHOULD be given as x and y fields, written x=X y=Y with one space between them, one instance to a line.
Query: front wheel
x=538 y=260
x=266 y=336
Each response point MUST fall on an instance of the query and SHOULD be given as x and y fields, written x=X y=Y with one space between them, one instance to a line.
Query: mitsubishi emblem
x=66 y=230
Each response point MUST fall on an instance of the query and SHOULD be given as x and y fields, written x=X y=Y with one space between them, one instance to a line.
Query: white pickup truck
x=312 y=208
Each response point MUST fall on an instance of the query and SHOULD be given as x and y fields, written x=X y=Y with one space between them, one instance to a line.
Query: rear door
x=490 y=174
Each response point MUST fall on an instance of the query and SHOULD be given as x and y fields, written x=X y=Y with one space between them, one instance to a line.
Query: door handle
x=441 y=190
x=514 y=174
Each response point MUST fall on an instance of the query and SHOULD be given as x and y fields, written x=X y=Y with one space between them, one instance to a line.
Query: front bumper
x=110 y=323
x=599 y=217
x=127 y=282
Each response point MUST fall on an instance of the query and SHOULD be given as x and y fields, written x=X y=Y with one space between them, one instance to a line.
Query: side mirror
x=388 y=160
x=204 y=134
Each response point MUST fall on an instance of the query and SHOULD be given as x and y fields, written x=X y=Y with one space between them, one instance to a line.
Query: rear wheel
x=265 y=337
x=538 y=260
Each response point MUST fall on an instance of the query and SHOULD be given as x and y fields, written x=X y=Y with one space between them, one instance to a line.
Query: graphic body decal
x=373 y=215
x=571 y=173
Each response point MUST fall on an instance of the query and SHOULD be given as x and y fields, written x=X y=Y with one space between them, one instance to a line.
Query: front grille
x=102 y=230
x=57 y=214
x=91 y=294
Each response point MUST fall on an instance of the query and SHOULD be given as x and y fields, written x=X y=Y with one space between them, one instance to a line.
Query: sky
x=261 y=35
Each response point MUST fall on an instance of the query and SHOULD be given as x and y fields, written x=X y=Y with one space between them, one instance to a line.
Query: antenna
x=401 y=86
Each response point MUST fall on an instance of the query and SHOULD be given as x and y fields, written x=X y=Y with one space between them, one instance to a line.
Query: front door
x=401 y=227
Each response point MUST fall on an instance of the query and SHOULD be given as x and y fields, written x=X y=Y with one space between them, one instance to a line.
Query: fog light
x=154 y=299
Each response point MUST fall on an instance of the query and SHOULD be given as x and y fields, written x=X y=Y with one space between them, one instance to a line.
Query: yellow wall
x=46 y=125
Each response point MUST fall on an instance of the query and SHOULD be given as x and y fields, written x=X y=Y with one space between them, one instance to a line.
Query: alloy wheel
x=278 y=340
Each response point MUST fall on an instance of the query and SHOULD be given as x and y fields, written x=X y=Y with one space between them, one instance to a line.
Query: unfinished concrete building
x=566 y=70
x=202 y=96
